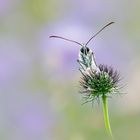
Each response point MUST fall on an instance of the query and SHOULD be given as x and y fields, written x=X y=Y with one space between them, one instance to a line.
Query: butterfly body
x=86 y=60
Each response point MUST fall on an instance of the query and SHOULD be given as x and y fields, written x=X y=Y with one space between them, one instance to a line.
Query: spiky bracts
x=98 y=84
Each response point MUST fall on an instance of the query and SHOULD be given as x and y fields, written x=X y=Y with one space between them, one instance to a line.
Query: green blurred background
x=39 y=76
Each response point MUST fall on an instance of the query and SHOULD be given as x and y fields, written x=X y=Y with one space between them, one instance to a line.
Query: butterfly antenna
x=99 y=32
x=66 y=39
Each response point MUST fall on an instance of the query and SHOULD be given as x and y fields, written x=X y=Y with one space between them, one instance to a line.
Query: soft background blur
x=39 y=76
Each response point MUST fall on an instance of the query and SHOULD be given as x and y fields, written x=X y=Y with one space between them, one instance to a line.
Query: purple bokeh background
x=39 y=76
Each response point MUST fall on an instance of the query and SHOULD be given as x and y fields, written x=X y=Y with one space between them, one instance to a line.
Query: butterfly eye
x=82 y=50
x=87 y=49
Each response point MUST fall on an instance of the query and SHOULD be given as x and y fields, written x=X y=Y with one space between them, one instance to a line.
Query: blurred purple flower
x=28 y=115
x=14 y=62
x=33 y=121
x=6 y=6
x=36 y=121
x=111 y=52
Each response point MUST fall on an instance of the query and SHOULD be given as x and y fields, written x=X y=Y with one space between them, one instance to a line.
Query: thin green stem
x=106 y=116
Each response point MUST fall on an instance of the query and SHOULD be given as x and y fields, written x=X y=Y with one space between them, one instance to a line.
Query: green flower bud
x=95 y=84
